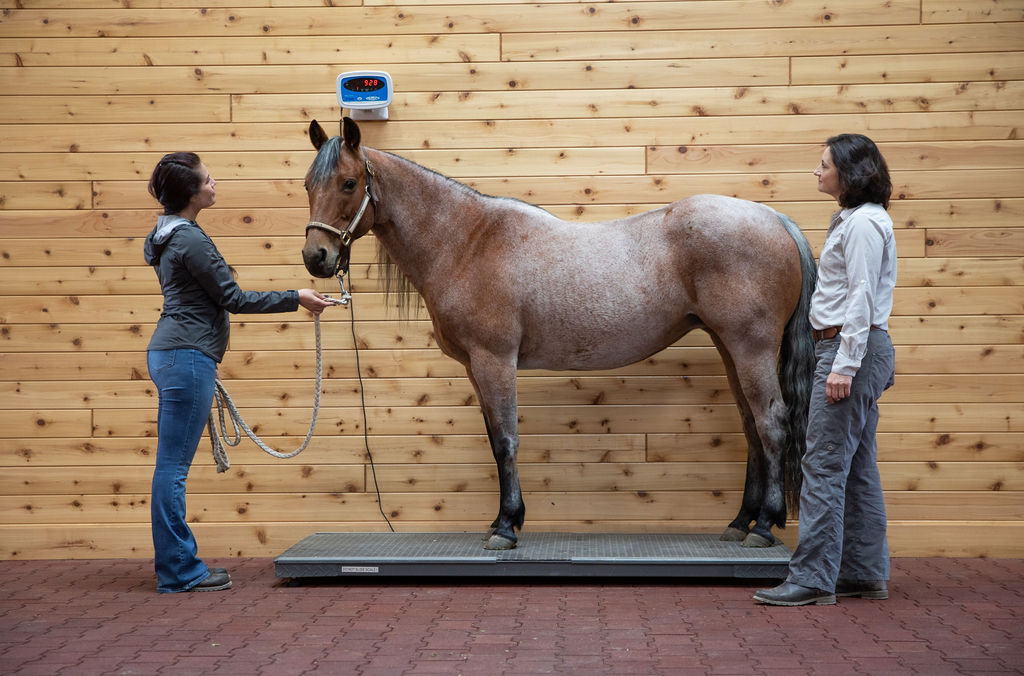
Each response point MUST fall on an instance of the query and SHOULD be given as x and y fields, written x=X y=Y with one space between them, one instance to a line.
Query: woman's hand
x=837 y=387
x=314 y=301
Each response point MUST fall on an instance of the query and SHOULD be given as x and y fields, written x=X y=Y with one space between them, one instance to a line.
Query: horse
x=510 y=286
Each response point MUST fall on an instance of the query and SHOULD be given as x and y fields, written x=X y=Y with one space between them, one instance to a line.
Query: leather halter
x=346 y=234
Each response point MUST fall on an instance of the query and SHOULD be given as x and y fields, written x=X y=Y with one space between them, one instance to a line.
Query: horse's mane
x=391 y=276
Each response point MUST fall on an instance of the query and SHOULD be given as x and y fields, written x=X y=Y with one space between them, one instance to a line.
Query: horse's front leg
x=494 y=379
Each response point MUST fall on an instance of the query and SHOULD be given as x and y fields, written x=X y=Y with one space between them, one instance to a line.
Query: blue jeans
x=185 y=380
x=842 y=512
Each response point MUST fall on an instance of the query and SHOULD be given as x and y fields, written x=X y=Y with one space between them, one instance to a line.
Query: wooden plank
x=790 y=157
x=952 y=11
x=570 y=133
x=674 y=419
x=130 y=223
x=792 y=41
x=684 y=477
x=939 y=476
x=46 y=423
x=262 y=50
x=993 y=539
x=45 y=195
x=977 y=330
x=456 y=449
x=327 y=450
x=952 y=67
x=944 y=272
x=892 y=447
x=440 y=19
x=88 y=309
x=386 y=363
x=591 y=187
x=959 y=301
x=994 y=184
x=432 y=363
x=574 y=390
x=810 y=215
x=522 y=162
x=306 y=79
x=122 y=280
x=128 y=250
x=105 y=109
x=312 y=507
x=266 y=165
x=960 y=359
x=262 y=251
x=659 y=102
x=202 y=479
x=969 y=213
x=978 y=242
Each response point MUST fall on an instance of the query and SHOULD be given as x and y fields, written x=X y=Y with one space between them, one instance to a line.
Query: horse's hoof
x=500 y=542
x=755 y=540
x=732 y=534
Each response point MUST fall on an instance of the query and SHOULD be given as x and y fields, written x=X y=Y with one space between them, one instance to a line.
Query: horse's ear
x=317 y=135
x=350 y=132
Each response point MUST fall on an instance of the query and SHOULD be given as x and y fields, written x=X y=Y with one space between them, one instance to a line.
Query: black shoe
x=865 y=589
x=215 y=581
x=789 y=594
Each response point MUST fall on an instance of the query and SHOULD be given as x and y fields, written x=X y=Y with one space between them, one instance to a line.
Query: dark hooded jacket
x=199 y=290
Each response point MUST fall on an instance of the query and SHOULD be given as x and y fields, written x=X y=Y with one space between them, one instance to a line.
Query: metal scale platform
x=538 y=555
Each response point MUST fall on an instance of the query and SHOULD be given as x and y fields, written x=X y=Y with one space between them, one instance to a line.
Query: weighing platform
x=538 y=555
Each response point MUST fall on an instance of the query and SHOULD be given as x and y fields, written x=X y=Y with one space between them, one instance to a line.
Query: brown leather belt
x=833 y=331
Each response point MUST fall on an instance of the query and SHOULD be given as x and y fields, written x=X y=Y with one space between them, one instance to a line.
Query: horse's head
x=338 y=184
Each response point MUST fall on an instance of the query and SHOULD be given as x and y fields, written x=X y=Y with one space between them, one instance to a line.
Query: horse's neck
x=425 y=218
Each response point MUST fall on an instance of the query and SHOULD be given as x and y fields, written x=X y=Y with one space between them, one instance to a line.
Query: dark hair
x=863 y=173
x=175 y=179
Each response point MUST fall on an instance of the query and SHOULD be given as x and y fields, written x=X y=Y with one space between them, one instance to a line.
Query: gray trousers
x=842 y=512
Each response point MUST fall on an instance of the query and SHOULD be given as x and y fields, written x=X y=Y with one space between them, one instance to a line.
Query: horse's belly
x=589 y=348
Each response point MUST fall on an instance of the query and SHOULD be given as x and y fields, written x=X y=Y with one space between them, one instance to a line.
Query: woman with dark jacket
x=189 y=341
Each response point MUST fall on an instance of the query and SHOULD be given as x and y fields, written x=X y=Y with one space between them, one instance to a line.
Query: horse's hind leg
x=754 y=380
x=494 y=380
x=753 y=486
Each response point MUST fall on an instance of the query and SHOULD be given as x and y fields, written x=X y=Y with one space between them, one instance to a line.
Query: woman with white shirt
x=842 y=549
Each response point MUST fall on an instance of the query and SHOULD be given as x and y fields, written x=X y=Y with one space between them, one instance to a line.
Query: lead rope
x=223 y=399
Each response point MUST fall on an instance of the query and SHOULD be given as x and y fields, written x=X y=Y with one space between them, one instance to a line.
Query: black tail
x=796 y=366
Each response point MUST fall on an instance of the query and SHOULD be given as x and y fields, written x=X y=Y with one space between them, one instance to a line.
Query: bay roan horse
x=510 y=286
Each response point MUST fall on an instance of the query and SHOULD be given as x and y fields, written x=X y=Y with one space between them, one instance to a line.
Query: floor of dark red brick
x=944 y=616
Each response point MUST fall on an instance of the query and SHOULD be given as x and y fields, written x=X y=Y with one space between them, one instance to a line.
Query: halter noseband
x=346 y=234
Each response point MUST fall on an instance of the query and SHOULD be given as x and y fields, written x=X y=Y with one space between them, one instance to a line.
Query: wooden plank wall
x=593 y=110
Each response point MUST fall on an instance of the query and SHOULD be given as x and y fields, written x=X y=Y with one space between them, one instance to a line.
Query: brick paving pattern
x=944 y=616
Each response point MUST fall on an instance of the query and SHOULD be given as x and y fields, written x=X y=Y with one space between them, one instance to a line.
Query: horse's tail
x=796 y=366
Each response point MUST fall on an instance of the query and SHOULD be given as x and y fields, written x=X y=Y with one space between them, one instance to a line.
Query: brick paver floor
x=944 y=616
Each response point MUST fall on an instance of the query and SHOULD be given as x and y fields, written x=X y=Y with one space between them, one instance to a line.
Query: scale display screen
x=364 y=89
x=364 y=84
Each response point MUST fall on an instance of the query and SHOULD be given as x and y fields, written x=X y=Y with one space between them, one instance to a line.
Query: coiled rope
x=223 y=399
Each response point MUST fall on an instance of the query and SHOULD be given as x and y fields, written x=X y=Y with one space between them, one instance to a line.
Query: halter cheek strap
x=346 y=234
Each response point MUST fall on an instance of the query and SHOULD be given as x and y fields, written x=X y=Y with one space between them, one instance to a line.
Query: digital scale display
x=364 y=89
x=364 y=84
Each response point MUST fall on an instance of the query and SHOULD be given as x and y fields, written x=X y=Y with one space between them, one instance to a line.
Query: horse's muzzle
x=324 y=262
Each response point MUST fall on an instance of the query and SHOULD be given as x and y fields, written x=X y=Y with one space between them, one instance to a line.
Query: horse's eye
x=305 y=186
x=350 y=184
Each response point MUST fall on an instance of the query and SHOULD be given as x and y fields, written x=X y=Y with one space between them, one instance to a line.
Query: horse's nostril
x=323 y=255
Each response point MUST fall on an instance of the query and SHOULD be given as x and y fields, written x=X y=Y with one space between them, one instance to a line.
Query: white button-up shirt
x=856 y=277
